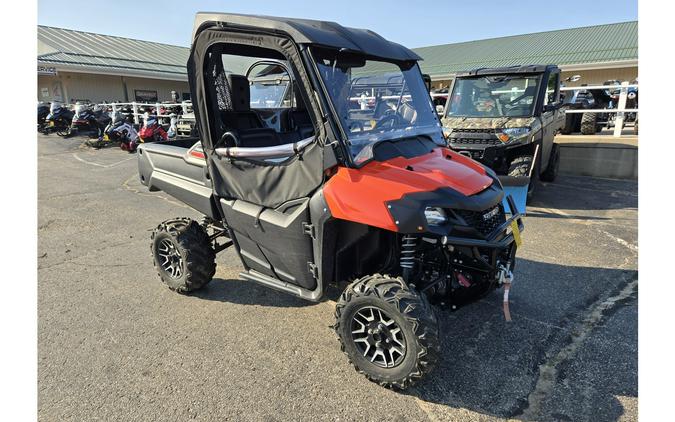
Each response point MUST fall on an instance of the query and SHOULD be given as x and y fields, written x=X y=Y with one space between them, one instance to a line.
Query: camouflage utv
x=506 y=118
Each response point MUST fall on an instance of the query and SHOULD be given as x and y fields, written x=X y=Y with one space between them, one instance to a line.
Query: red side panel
x=360 y=195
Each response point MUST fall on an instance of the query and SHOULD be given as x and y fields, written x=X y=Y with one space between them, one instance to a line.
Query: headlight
x=435 y=216
x=447 y=132
x=514 y=134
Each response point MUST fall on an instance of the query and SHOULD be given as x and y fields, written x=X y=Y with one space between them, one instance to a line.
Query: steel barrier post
x=618 y=121
x=134 y=107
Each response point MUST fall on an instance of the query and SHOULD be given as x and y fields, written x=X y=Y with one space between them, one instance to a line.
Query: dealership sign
x=46 y=70
x=145 y=95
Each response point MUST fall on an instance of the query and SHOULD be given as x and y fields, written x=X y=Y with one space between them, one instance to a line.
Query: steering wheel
x=234 y=140
x=391 y=119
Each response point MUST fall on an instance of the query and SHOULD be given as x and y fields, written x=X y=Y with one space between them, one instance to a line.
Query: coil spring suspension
x=408 y=250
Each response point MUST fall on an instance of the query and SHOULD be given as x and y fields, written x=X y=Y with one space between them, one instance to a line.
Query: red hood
x=360 y=195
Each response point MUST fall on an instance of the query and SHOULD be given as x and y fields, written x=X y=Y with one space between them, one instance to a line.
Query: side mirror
x=551 y=107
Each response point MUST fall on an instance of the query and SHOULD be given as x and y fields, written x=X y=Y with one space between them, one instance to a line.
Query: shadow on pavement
x=586 y=193
x=543 y=214
x=247 y=293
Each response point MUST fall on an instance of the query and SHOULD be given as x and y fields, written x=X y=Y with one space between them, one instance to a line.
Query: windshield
x=55 y=106
x=493 y=96
x=376 y=100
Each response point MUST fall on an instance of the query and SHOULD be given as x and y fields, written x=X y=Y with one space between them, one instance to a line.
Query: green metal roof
x=110 y=54
x=592 y=44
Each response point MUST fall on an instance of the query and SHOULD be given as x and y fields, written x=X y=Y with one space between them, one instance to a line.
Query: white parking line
x=78 y=158
x=619 y=240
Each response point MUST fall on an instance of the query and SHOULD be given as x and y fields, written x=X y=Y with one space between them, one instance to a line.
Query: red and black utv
x=323 y=163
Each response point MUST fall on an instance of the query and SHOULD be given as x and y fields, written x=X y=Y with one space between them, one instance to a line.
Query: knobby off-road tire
x=520 y=167
x=551 y=172
x=408 y=320
x=589 y=123
x=183 y=255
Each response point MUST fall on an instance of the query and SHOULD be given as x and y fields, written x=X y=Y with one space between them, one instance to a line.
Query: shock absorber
x=408 y=250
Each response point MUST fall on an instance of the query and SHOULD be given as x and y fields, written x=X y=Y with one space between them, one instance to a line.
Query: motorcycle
x=58 y=120
x=91 y=121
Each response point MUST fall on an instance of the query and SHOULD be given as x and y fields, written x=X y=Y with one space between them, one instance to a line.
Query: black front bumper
x=487 y=154
x=499 y=238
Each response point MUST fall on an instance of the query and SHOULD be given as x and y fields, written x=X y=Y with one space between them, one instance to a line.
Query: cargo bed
x=179 y=169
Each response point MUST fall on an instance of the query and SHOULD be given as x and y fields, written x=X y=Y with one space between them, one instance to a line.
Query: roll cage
x=292 y=39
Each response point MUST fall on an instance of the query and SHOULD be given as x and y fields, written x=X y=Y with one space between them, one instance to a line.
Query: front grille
x=475 y=137
x=472 y=141
x=477 y=220
x=488 y=131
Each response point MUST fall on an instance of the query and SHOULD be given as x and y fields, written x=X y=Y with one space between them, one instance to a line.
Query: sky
x=411 y=23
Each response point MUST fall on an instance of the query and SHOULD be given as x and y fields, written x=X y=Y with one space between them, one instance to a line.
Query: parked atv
x=591 y=122
x=327 y=196
x=507 y=118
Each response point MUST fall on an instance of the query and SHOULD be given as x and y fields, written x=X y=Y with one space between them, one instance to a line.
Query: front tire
x=183 y=255
x=388 y=331
x=520 y=167
x=589 y=123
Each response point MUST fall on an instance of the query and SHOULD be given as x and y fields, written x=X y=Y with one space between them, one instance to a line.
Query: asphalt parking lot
x=115 y=344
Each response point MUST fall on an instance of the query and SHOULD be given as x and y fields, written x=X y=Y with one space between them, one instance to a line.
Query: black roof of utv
x=306 y=31
x=530 y=68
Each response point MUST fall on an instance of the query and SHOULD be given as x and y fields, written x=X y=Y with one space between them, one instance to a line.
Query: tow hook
x=505 y=278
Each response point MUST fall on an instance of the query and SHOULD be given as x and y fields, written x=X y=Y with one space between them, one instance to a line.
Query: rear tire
x=403 y=324
x=589 y=123
x=183 y=255
x=553 y=165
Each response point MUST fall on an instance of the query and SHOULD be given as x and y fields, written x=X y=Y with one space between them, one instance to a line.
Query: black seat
x=262 y=137
x=240 y=117
x=244 y=122
x=300 y=121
